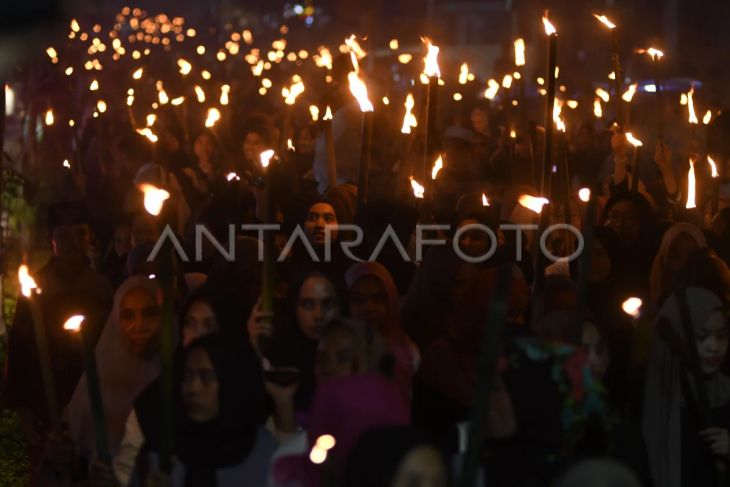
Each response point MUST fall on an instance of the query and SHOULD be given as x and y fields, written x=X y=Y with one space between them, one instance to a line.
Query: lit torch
x=433 y=73
x=154 y=198
x=616 y=61
x=409 y=119
x=552 y=34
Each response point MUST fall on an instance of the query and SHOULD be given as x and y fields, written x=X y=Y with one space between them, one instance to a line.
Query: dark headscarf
x=229 y=438
x=227 y=309
x=375 y=459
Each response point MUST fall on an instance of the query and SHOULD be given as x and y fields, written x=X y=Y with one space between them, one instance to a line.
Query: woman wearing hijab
x=374 y=300
x=220 y=440
x=684 y=440
x=396 y=456
x=679 y=243
x=127 y=359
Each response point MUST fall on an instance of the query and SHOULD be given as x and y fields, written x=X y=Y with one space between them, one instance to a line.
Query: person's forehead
x=321 y=209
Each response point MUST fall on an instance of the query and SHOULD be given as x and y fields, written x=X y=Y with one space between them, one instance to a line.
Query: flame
x=225 y=89
x=75 y=25
x=94 y=85
x=533 y=203
x=185 y=67
x=418 y=190
x=74 y=323
x=463 y=73
x=549 y=27
x=507 y=82
x=604 y=20
x=290 y=145
x=492 y=89
x=393 y=44
x=324 y=58
x=629 y=94
x=405 y=58
x=101 y=106
x=584 y=194
x=409 y=119
x=265 y=157
x=683 y=99
x=612 y=75
x=213 y=116
x=147 y=132
x=231 y=176
x=430 y=62
x=360 y=91
x=437 y=166
x=162 y=96
x=633 y=140
x=200 y=94
x=326 y=442
x=49 y=117
x=138 y=73
x=707 y=118
x=603 y=95
x=291 y=93
x=52 y=53
x=485 y=201
x=150 y=119
x=632 y=307
x=178 y=101
x=317 y=455
x=327 y=114
x=713 y=167
x=557 y=109
x=691 y=186
x=354 y=48
x=572 y=104
x=27 y=283
x=691 y=106
x=314 y=112
x=653 y=52
x=386 y=101
x=130 y=100
x=66 y=164
x=154 y=198
x=519 y=52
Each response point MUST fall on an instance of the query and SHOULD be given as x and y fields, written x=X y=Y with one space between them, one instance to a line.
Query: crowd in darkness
x=382 y=356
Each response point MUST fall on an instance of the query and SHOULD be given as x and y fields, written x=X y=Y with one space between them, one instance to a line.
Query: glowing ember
x=27 y=283
x=74 y=323
x=584 y=194
x=265 y=157
x=633 y=140
x=437 y=166
x=533 y=203
x=520 y=52
x=409 y=119
x=632 y=307
x=154 y=198
x=691 y=187
x=213 y=116
x=604 y=20
x=485 y=201
x=418 y=190
x=713 y=167
x=430 y=62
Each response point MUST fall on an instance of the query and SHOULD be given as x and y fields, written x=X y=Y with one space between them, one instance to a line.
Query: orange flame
x=327 y=114
x=213 y=116
x=27 y=283
x=653 y=52
x=265 y=157
x=314 y=112
x=154 y=198
x=463 y=73
x=533 y=203
x=359 y=90
x=604 y=20
x=691 y=106
x=409 y=119
x=549 y=27
x=603 y=95
x=147 y=132
x=492 y=89
x=185 y=67
x=520 y=52
x=49 y=117
x=629 y=94
x=430 y=62
x=584 y=194
x=632 y=307
x=485 y=201
x=73 y=323
x=713 y=167
x=437 y=166
x=707 y=118
x=291 y=93
x=200 y=94
x=691 y=186
x=633 y=140
x=418 y=190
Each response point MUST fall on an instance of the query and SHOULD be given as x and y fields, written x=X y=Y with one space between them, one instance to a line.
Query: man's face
x=71 y=242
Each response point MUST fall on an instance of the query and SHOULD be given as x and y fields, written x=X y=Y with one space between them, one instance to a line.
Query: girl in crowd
x=679 y=243
x=686 y=409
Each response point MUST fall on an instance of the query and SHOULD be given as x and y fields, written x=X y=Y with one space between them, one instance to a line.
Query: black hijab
x=229 y=438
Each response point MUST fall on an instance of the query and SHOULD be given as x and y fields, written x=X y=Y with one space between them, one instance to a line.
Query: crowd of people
x=365 y=372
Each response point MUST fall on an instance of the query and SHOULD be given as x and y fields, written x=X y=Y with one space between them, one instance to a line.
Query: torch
x=552 y=34
x=330 y=144
x=360 y=91
x=267 y=276
x=433 y=73
x=635 y=166
x=656 y=55
x=715 y=185
x=541 y=207
x=520 y=65
x=616 y=62
x=31 y=291
x=74 y=325
x=154 y=200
